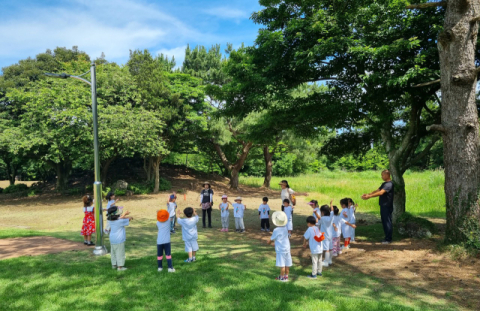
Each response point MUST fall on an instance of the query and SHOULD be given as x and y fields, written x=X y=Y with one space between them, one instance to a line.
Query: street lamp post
x=100 y=248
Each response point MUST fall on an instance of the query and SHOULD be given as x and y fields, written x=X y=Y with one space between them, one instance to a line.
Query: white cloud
x=178 y=52
x=227 y=13
x=111 y=26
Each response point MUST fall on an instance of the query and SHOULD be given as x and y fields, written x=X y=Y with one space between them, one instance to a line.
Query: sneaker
x=340 y=252
x=325 y=264
x=194 y=259
x=114 y=267
x=85 y=242
x=160 y=269
x=262 y=229
x=173 y=231
x=121 y=269
x=386 y=242
x=280 y=278
x=289 y=235
x=319 y=274
x=236 y=230
x=268 y=230
x=171 y=269
x=242 y=231
x=226 y=229
x=334 y=254
x=188 y=260
x=343 y=247
x=311 y=276
x=348 y=246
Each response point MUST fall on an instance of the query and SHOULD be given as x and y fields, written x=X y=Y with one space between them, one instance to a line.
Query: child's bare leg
x=89 y=238
x=194 y=253
x=189 y=255
x=282 y=271
x=287 y=270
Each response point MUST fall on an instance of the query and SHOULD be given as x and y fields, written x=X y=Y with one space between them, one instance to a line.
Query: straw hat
x=206 y=183
x=279 y=219
x=238 y=199
x=162 y=215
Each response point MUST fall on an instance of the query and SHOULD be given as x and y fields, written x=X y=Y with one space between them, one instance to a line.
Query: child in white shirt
x=313 y=239
x=224 y=213
x=238 y=211
x=111 y=201
x=316 y=211
x=288 y=209
x=282 y=245
x=338 y=223
x=172 y=208
x=189 y=232
x=346 y=232
x=352 y=208
x=118 y=237
x=264 y=214
x=326 y=221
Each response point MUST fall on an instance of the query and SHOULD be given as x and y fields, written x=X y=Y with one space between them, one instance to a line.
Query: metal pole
x=100 y=248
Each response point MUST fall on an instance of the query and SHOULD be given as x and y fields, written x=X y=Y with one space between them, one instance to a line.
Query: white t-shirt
x=110 y=203
x=172 y=206
x=163 y=236
x=351 y=214
x=88 y=209
x=315 y=247
x=264 y=209
x=316 y=209
x=339 y=222
x=189 y=228
x=327 y=226
x=282 y=243
x=289 y=211
x=286 y=194
x=238 y=210
x=117 y=230
x=224 y=212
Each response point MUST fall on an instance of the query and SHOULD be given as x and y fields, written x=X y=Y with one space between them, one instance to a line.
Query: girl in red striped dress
x=88 y=221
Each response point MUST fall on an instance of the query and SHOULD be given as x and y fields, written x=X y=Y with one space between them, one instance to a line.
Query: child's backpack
x=319 y=238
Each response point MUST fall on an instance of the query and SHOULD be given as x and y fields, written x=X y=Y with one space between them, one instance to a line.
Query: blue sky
x=29 y=27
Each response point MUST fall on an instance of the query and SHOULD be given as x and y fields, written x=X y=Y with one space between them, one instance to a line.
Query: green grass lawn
x=233 y=272
x=425 y=195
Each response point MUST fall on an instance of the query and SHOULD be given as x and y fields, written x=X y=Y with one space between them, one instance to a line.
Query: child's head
x=311 y=221
x=238 y=200
x=224 y=198
x=110 y=196
x=113 y=213
x=335 y=210
x=286 y=202
x=172 y=198
x=344 y=202
x=350 y=202
x=265 y=200
x=325 y=210
x=313 y=203
x=188 y=212
x=87 y=200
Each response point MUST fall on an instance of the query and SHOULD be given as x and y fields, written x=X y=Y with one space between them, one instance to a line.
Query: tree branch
x=426 y=5
x=423 y=153
x=475 y=19
x=427 y=83
x=436 y=127
x=222 y=156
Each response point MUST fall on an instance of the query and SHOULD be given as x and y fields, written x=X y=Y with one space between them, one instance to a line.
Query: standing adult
x=385 y=192
x=206 y=202
x=288 y=193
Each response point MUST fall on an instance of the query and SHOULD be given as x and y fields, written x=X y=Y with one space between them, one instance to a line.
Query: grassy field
x=425 y=196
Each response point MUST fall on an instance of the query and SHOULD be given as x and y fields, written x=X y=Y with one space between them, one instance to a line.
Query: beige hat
x=206 y=183
x=238 y=199
x=279 y=219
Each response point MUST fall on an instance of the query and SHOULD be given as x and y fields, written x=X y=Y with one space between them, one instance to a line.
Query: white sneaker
x=343 y=247
x=171 y=269
x=325 y=264
x=122 y=269
x=160 y=269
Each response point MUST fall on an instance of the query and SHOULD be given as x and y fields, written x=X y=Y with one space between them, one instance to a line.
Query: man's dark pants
x=386 y=214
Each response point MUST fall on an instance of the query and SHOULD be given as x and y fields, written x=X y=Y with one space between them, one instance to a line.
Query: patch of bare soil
x=37 y=245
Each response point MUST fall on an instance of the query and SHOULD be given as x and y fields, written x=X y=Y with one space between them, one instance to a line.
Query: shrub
x=15 y=188
x=145 y=188
x=120 y=192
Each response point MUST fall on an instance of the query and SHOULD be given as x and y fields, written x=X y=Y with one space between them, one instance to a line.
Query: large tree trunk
x=235 y=168
x=156 y=168
x=11 y=171
x=457 y=46
x=105 y=167
x=63 y=170
x=268 y=167
x=148 y=167
x=399 y=194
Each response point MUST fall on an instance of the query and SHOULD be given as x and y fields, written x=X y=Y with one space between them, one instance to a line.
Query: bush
x=415 y=227
x=145 y=188
x=15 y=188
x=120 y=192
x=33 y=192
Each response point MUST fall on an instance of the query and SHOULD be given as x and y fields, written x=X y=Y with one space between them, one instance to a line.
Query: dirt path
x=37 y=245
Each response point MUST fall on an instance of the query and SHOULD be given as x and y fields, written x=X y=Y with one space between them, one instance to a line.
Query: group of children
x=325 y=227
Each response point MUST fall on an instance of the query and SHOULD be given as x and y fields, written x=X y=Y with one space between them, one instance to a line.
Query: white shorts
x=290 y=225
x=191 y=246
x=284 y=260
x=327 y=244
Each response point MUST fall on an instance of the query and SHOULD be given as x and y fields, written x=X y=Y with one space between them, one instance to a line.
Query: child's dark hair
x=286 y=201
x=87 y=200
x=188 y=212
x=265 y=199
x=325 y=209
x=335 y=210
x=311 y=220
x=111 y=213
x=344 y=202
x=315 y=202
x=109 y=195
x=351 y=201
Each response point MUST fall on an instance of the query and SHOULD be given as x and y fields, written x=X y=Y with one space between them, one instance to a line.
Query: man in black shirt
x=385 y=192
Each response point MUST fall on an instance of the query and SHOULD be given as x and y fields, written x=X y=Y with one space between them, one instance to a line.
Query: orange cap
x=162 y=215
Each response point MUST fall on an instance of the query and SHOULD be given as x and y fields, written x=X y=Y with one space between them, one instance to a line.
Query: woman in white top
x=288 y=193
